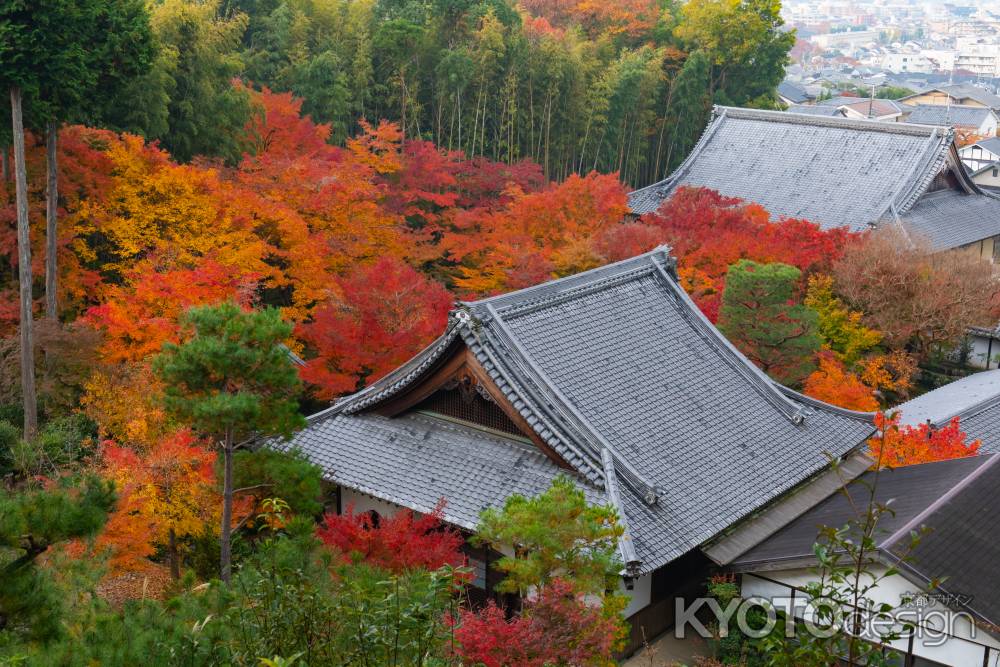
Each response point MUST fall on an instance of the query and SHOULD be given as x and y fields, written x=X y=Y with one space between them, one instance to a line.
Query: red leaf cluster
x=898 y=445
x=558 y=627
x=398 y=543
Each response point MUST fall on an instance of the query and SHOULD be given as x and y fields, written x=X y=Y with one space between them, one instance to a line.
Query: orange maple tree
x=833 y=383
x=165 y=494
x=898 y=444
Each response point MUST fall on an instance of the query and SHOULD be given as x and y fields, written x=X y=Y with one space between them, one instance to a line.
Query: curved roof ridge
x=925 y=170
x=663 y=187
x=401 y=376
x=809 y=401
x=584 y=281
x=736 y=359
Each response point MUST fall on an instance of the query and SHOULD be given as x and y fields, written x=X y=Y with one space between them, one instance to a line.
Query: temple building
x=614 y=378
x=840 y=172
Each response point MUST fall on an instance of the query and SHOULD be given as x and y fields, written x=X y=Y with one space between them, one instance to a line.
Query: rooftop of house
x=793 y=92
x=956 y=500
x=837 y=172
x=617 y=380
x=975 y=400
x=951 y=116
x=991 y=144
x=962 y=92
x=834 y=171
x=815 y=110
x=874 y=108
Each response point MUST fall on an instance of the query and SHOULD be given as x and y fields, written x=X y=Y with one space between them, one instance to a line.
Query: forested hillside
x=573 y=85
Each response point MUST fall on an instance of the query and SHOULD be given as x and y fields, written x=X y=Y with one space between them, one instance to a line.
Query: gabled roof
x=875 y=108
x=955 y=499
x=962 y=91
x=836 y=172
x=950 y=116
x=992 y=144
x=975 y=400
x=620 y=376
x=793 y=92
x=817 y=110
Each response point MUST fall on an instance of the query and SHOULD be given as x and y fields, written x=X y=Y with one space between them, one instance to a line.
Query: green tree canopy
x=555 y=534
x=230 y=379
x=760 y=316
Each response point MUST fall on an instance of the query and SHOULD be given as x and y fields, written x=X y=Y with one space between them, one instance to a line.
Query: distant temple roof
x=617 y=376
x=837 y=172
x=956 y=499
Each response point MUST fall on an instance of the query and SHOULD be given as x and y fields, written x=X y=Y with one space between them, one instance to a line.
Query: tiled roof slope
x=615 y=361
x=951 y=219
x=955 y=499
x=833 y=171
x=416 y=460
x=940 y=114
x=975 y=400
x=815 y=110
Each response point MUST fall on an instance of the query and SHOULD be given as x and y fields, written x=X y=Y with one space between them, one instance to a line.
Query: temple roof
x=622 y=379
x=836 y=172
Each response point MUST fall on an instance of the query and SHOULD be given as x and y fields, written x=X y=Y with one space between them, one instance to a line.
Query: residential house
x=946 y=586
x=979 y=122
x=964 y=94
x=816 y=110
x=980 y=154
x=616 y=379
x=791 y=93
x=987 y=177
x=874 y=109
x=840 y=172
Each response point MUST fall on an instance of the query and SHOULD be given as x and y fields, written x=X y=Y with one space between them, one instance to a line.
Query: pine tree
x=231 y=379
x=760 y=317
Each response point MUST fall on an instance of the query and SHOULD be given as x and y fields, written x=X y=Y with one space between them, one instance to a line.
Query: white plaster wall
x=953 y=651
x=640 y=595
x=365 y=503
x=979 y=347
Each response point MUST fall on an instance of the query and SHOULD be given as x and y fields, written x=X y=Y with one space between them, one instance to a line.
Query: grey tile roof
x=963 y=91
x=975 y=400
x=951 y=116
x=612 y=362
x=951 y=219
x=955 y=499
x=834 y=171
x=991 y=144
x=817 y=110
x=792 y=92
x=415 y=460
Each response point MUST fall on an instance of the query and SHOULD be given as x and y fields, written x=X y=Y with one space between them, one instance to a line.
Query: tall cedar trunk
x=51 y=218
x=225 y=552
x=175 y=565
x=24 y=270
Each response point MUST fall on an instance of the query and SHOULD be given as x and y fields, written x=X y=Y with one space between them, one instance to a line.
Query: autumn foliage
x=558 y=627
x=833 y=383
x=397 y=543
x=166 y=493
x=902 y=445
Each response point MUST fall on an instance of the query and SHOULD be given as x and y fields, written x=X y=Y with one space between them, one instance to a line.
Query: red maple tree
x=397 y=543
